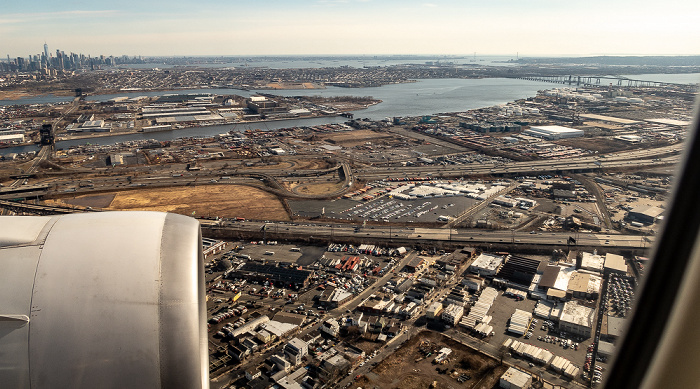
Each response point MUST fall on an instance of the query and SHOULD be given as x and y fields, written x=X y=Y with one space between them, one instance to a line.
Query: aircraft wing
x=102 y=300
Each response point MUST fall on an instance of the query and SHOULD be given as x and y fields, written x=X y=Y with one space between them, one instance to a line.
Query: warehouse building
x=334 y=298
x=518 y=270
x=584 y=286
x=553 y=132
x=613 y=327
x=415 y=264
x=549 y=277
x=614 y=264
x=515 y=379
x=6 y=138
x=646 y=214
x=486 y=265
x=592 y=262
x=576 y=319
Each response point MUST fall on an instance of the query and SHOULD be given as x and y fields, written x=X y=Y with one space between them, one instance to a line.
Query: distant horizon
x=542 y=28
x=399 y=56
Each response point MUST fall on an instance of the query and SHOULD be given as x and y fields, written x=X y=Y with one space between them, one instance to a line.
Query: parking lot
x=502 y=309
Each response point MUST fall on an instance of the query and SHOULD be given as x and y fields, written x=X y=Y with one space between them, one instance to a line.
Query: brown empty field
x=417 y=371
x=13 y=95
x=205 y=200
x=356 y=137
x=317 y=189
x=601 y=145
x=94 y=201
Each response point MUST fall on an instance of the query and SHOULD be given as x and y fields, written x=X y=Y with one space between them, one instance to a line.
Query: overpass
x=36 y=209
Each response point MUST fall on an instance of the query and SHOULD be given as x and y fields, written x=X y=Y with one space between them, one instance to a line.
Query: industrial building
x=95 y=126
x=261 y=105
x=584 y=286
x=576 y=319
x=6 y=138
x=415 y=264
x=486 y=265
x=515 y=379
x=518 y=270
x=553 y=132
x=592 y=262
x=646 y=214
x=452 y=314
x=614 y=264
x=334 y=298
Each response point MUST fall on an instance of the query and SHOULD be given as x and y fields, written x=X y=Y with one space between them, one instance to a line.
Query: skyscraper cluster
x=48 y=63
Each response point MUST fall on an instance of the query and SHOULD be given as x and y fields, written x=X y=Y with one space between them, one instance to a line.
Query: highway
x=417 y=235
x=270 y=179
x=524 y=168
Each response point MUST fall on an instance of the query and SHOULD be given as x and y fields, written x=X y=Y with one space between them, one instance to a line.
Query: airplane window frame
x=671 y=258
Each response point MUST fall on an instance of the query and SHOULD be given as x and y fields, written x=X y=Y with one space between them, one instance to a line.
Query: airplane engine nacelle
x=102 y=300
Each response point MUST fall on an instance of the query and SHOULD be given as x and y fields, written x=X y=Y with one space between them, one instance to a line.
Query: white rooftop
x=592 y=262
x=556 y=129
x=516 y=377
x=577 y=314
x=672 y=122
x=488 y=261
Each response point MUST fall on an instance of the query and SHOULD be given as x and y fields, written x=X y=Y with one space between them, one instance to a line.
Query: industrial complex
x=501 y=245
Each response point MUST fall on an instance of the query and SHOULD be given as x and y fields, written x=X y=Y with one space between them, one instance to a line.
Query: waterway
x=425 y=97
x=680 y=78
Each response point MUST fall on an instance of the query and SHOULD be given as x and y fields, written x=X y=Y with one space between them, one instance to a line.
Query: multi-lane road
x=497 y=238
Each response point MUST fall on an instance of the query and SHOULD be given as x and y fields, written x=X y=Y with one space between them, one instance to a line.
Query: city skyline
x=538 y=28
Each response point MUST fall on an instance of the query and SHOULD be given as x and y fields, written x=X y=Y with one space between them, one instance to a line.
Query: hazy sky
x=269 y=27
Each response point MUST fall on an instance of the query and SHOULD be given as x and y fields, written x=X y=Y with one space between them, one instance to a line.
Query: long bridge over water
x=603 y=81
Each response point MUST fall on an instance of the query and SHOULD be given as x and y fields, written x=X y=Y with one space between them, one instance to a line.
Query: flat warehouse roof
x=556 y=129
x=608 y=118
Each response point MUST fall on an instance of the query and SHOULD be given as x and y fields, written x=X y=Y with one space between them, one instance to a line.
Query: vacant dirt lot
x=317 y=189
x=418 y=371
x=356 y=137
x=95 y=201
x=206 y=200
x=13 y=95
x=601 y=145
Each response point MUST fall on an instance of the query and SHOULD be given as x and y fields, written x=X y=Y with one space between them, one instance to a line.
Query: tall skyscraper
x=46 y=51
